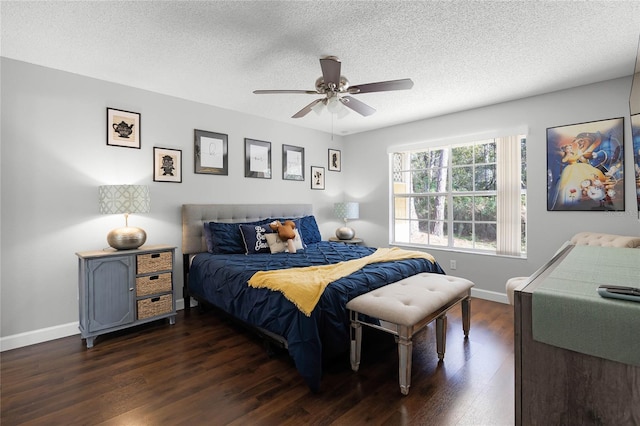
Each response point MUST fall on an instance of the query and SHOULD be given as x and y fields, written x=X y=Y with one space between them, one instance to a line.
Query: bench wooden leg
x=356 y=341
x=441 y=335
x=466 y=316
x=405 y=350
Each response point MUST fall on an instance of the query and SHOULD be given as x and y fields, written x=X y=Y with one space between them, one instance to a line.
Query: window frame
x=406 y=169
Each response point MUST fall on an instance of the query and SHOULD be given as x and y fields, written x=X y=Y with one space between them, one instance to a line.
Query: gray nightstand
x=121 y=288
x=356 y=241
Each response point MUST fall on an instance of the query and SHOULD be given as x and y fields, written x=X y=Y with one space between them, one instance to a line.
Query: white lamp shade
x=333 y=105
x=119 y=199
x=345 y=211
x=317 y=108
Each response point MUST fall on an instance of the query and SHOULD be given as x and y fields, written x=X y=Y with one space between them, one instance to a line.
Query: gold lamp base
x=126 y=238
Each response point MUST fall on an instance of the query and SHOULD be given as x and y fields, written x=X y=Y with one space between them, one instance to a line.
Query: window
x=469 y=197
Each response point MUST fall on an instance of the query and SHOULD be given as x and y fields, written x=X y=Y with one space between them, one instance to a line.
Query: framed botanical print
x=123 y=128
x=292 y=162
x=167 y=165
x=585 y=166
x=257 y=159
x=211 y=153
x=317 y=177
x=335 y=160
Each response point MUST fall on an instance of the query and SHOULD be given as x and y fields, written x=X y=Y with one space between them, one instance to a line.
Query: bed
x=217 y=269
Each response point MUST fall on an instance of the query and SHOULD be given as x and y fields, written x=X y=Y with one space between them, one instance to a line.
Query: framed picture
x=211 y=153
x=335 y=160
x=635 y=136
x=167 y=165
x=317 y=177
x=292 y=162
x=123 y=128
x=257 y=156
x=585 y=166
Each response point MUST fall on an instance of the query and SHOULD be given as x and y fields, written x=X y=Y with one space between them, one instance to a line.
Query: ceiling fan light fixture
x=333 y=105
x=317 y=108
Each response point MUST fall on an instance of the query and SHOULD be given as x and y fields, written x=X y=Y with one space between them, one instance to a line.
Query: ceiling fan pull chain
x=332 y=127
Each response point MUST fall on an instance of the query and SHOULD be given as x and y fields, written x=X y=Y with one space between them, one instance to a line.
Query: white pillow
x=276 y=245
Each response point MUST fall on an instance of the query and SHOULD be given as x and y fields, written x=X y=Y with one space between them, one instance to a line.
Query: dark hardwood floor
x=205 y=370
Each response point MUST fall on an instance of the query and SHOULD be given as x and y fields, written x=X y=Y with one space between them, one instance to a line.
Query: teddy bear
x=286 y=232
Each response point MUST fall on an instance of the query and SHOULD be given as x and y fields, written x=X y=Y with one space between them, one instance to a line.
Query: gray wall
x=546 y=230
x=54 y=155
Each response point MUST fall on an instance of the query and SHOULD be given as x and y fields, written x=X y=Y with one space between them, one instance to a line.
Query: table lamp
x=346 y=211
x=125 y=199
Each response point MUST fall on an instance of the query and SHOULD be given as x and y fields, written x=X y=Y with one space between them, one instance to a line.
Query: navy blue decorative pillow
x=254 y=237
x=309 y=230
x=226 y=238
x=208 y=238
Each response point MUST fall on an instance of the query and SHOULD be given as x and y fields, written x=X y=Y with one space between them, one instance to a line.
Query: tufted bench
x=406 y=307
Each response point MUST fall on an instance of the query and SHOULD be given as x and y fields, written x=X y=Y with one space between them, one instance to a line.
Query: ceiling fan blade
x=306 y=110
x=271 y=92
x=331 y=71
x=382 y=86
x=359 y=107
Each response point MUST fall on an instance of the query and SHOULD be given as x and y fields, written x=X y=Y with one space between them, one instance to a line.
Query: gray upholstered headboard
x=195 y=215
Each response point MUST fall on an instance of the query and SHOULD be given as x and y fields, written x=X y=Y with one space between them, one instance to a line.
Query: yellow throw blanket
x=304 y=286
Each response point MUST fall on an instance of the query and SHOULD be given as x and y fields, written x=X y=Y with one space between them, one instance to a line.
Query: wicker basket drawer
x=154 y=262
x=154 y=306
x=153 y=284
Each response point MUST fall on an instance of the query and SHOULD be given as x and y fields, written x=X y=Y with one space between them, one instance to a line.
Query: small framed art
x=317 y=177
x=123 y=128
x=585 y=170
x=335 y=160
x=292 y=162
x=257 y=159
x=167 y=165
x=210 y=153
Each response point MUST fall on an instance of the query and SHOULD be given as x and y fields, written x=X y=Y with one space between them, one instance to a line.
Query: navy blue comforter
x=222 y=281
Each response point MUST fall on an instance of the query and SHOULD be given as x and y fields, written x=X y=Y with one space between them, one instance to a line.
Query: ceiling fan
x=337 y=90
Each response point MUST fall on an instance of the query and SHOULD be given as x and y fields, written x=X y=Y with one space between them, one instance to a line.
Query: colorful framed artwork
x=635 y=135
x=211 y=153
x=335 y=160
x=167 y=165
x=585 y=166
x=257 y=159
x=317 y=177
x=123 y=128
x=292 y=162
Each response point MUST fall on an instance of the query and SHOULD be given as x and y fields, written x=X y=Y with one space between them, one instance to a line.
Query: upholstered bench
x=406 y=307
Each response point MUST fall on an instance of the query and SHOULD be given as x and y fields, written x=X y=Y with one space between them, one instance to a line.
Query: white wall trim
x=494 y=296
x=51 y=333
x=65 y=330
x=38 y=336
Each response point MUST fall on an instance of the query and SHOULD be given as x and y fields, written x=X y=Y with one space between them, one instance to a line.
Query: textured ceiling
x=460 y=55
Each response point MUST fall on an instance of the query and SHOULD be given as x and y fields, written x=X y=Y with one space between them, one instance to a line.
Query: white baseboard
x=494 y=296
x=65 y=330
x=38 y=336
x=50 y=333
